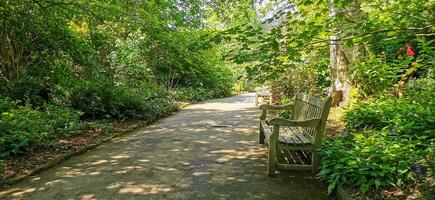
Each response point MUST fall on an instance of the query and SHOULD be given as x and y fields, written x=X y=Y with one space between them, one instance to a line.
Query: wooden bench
x=293 y=143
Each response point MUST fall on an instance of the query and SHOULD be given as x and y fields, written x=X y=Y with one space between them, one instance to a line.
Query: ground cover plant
x=388 y=142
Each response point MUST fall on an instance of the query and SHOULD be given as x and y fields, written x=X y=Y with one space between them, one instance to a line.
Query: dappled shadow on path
x=181 y=157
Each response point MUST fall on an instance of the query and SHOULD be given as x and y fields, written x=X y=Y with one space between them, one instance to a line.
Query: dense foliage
x=65 y=62
x=412 y=115
x=23 y=127
x=388 y=142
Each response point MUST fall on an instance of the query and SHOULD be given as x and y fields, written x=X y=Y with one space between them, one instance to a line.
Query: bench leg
x=272 y=160
x=272 y=152
x=261 y=135
x=315 y=162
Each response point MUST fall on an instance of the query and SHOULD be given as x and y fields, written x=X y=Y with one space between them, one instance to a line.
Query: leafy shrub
x=412 y=115
x=36 y=87
x=191 y=94
x=31 y=89
x=399 y=115
x=128 y=61
x=63 y=120
x=298 y=79
x=372 y=161
x=374 y=75
x=108 y=101
x=23 y=128
x=91 y=98
x=6 y=104
x=387 y=138
x=286 y=114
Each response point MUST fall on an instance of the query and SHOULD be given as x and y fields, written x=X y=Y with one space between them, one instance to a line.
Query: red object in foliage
x=409 y=50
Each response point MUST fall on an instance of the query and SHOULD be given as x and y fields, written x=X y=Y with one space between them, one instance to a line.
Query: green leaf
x=364 y=188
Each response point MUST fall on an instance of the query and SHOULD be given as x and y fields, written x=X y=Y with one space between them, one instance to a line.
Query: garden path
x=190 y=155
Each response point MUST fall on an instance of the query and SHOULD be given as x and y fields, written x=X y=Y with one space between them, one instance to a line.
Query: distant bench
x=264 y=94
x=293 y=143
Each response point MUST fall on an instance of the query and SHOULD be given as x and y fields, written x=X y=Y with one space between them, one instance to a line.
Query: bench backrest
x=309 y=107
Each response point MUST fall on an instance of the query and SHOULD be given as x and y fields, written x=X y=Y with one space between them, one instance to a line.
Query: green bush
x=401 y=116
x=6 y=104
x=374 y=75
x=286 y=114
x=105 y=100
x=372 y=161
x=384 y=140
x=191 y=94
x=412 y=115
x=63 y=120
x=23 y=128
x=300 y=78
x=37 y=87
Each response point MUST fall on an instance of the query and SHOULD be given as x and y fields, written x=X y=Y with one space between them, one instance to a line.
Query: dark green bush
x=297 y=79
x=63 y=120
x=374 y=75
x=109 y=101
x=191 y=94
x=384 y=140
x=401 y=116
x=23 y=128
x=412 y=115
x=286 y=113
x=368 y=162
x=6 y=104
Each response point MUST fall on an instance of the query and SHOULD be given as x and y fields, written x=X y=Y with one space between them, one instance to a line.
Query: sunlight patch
x=54 y=182
x=131 y=188
x=88 y=197
x=120 y=156
x=99 y=162
x=201 y=173
x=28 y=190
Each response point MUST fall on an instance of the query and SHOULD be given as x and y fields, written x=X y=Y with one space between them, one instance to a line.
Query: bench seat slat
x=287 y=135
x=300 y=135
x=291 y=135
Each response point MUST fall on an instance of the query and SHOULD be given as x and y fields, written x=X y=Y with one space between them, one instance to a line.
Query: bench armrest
x=276 y=107
x=301 y=123
x=266 y=107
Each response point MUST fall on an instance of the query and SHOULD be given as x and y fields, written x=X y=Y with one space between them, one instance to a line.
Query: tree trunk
x=339 y=69
x=342 y=57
